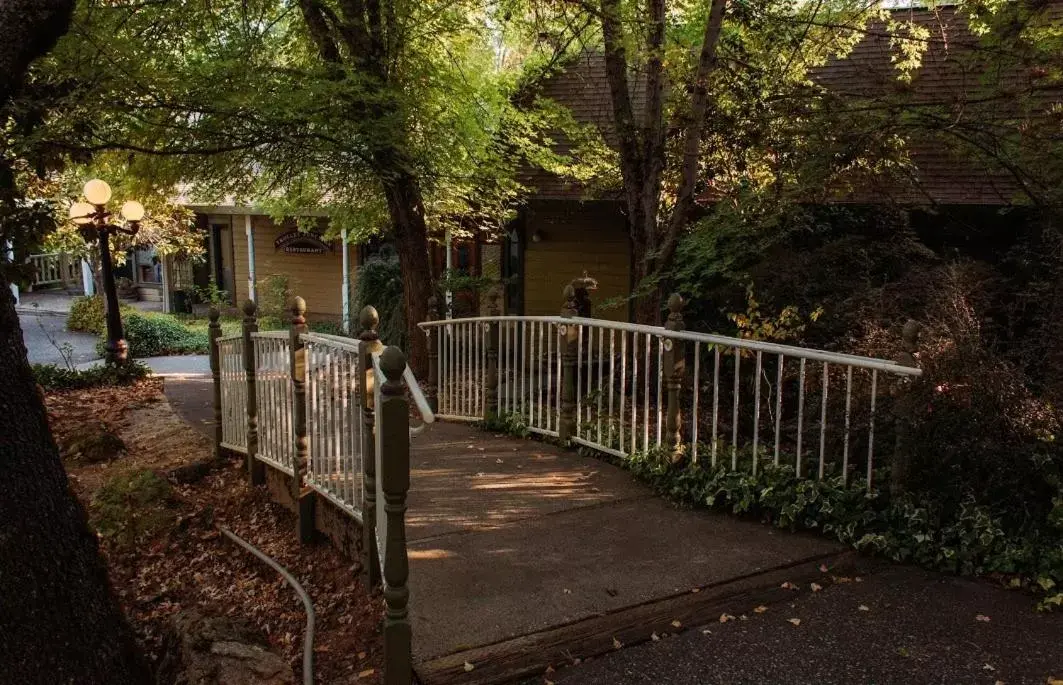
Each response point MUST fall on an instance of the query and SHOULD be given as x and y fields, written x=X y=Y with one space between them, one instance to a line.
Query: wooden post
x=491 y=372
x=370 y=343
x=303 y=496
x=567 y=332
x=213 y=333
x=903 y=410
x=394 y=427
x=255 y=468
x=672 y=377
x=431 y=389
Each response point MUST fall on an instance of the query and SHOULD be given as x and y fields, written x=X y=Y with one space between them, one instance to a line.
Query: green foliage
x=508 y=423
x=968 y=539
x=210 y=294
x=380 y=285
x=87 y=314
x=330 y=328
x=52 y=377
x=274 y=296
x=132 y=507
x=157 y=335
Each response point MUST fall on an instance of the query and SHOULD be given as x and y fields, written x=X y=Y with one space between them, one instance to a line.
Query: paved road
x=44 y=334
x=917 y=627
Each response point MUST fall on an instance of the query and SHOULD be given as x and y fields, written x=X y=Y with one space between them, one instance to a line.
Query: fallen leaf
x=566 y=591
x=988 y=667
x=361 y=655
x=795 y=621
x=743 y=617
x=706 y=632
x=498 y=461
x=863 y=607
x=550 y=668
x=841 y=579
x=760 y=610
x=677 y=624
x=982 y=617
x=822 y=568
x=724 y=618
x=617 y=644
x=548 y=682
x=1052 y=680
x=788 y=586
x=468 y=667
x=367 y=672
x=655 y=637
x=816 y=587
x=858 y=579
x=695 y=590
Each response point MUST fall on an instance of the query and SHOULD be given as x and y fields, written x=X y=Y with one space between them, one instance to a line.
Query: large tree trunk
x=59 y=621
x=406 y=207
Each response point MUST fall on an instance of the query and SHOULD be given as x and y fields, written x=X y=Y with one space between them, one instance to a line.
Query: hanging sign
x=297 y=242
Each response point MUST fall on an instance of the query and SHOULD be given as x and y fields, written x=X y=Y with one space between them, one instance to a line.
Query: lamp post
x=94 y=220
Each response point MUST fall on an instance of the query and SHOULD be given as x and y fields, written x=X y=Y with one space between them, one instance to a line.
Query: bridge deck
x=523 y=554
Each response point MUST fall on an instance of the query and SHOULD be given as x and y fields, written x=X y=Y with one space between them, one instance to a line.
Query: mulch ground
x=190 y=564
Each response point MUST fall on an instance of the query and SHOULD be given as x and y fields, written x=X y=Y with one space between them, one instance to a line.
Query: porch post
x=250 y=232
x=370 y=343
x=167 y=290
x=567 y=331
x=256 y=469
x=394 y=444
x=672 y=376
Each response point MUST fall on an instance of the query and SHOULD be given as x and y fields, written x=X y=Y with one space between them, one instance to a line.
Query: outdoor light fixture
x=94 y=220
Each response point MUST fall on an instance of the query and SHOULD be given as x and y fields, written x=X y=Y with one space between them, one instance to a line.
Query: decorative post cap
x=675 y=303
x=569 y=293
x=910 y=335
x=214 y=314
x=250 y=307
x=392 y=363
x=298 y=307
x=369 y=318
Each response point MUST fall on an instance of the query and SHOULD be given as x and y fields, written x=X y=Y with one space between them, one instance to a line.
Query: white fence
x=54 y=268
x=233 y=393
x=274 y=396
x=743 y=403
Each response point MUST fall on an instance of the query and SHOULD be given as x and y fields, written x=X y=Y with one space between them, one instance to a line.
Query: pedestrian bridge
x=501 y=555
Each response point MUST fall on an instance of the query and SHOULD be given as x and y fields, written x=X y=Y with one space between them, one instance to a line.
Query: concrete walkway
x=523 y=554
x=177 y=366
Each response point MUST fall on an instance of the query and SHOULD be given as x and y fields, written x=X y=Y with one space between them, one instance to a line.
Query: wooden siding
x=576 y=237
x=317 y=278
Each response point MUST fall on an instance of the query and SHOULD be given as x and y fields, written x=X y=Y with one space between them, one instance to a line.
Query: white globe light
x=132 y=211
x=81 y=212
x=97 y=192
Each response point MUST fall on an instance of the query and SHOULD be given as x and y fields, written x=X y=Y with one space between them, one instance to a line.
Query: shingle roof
x=958 y=82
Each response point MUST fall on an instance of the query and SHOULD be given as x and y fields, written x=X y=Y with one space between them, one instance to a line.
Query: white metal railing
x=54 y=269
x=233 y=393
x=333 y=419
x=743 y=403
x=275 y=398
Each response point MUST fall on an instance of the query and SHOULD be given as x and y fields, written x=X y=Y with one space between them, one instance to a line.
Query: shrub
x=132 y=507
x=380 y=285
x=52 y=377
x=86 y=314
x=328 y=327
x=156 y=335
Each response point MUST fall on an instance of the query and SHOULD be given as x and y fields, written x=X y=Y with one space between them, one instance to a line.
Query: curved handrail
x=420 y=401
x=273 y=335
x=708 y=338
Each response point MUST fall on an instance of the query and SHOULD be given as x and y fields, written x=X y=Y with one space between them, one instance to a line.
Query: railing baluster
x=634 y=390
x=756 y=411
x=848 y=401
x=823 y=422
x=871 y=426
x=661 y=375
x=694 y=416
x=612 y=383
x=623 y=386
x=800 y=415
x=778 y=406
x=734 y=417
x=646 y=398
x=715 y=401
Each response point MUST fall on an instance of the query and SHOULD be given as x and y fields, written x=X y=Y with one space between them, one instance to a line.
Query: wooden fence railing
x=330 y=415
x=622 y=388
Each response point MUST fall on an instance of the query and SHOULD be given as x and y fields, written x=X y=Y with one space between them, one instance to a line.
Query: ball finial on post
x=369 y=318
x=393 y=363
x=214 y=313
x=250 y=308
x=298 y=308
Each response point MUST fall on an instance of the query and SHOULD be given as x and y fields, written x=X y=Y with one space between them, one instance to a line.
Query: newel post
x=213 y=333
x=672 y=377
x=301 y=494
x=491 y=372
x=903 y=410
x=255 y=468
x=567 y=332
x=370 y=343
x=431 y=389
x=394 y=445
